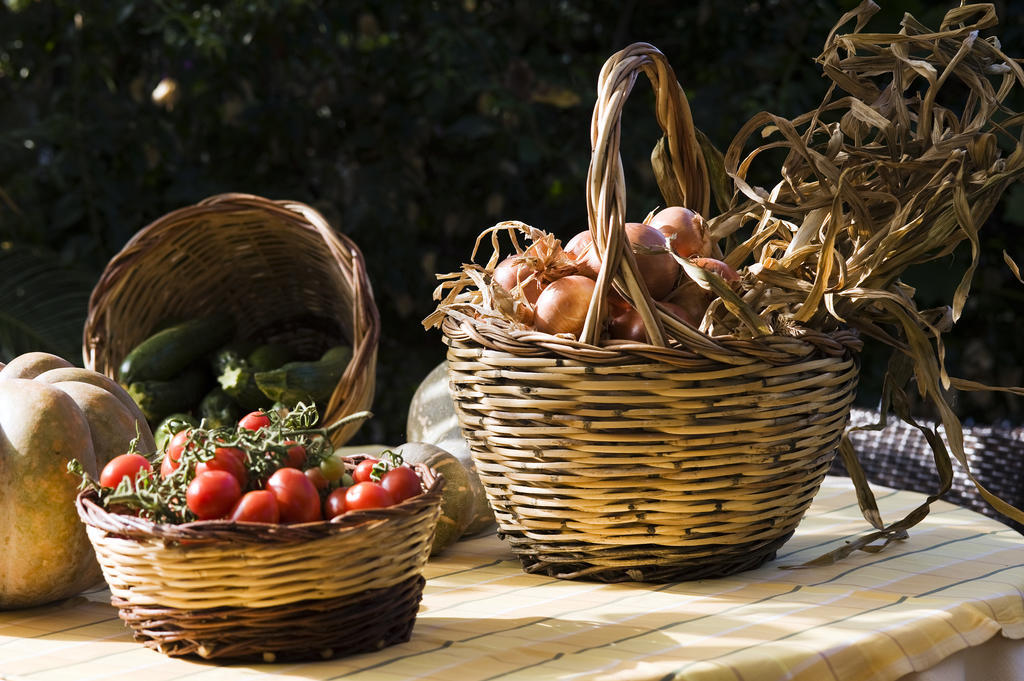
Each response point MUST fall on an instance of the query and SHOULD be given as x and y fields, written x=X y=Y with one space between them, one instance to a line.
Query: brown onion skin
x=512 y=272
x=681 y=312
x=718 y=267
x=687 y=226
x=581 y=249
x=659 y=271
x=616 y=304
x=562 y=305
x=692 y=300
x=630 y=325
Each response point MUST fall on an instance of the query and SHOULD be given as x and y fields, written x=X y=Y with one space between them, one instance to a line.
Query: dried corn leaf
x=896 y=167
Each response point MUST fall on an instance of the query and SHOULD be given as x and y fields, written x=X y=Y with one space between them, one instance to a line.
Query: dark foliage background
x=411 y=125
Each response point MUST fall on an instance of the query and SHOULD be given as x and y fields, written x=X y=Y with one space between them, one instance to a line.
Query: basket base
x=639 y=563
x=304 y=630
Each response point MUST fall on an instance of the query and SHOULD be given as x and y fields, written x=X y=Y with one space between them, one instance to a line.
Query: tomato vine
x=162 y=497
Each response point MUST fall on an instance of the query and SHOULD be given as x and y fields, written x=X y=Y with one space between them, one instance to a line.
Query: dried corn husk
x=906 y=157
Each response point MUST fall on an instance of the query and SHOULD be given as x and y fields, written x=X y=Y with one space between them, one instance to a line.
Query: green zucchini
x=306 y=381
x=167 y=353
x=270 y=356
x=219 y=409
x=230 y=353
x=159 y=398
x=236 y=380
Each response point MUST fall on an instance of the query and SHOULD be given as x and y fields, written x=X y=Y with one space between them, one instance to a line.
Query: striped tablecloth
x=957 y=583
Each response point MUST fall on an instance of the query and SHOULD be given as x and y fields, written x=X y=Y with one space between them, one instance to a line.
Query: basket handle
x=684 y=177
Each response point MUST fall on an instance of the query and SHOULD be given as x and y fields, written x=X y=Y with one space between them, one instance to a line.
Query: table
x=949 y=598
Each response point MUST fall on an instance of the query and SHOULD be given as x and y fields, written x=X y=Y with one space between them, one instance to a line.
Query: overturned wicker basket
x=276 y=270
x=250 y=591
x=689 y=457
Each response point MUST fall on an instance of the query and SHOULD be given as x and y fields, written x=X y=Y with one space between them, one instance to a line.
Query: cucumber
x=219 y=409
x=159 y=398
x=305 y=381
x=270 y=356
x=167 y=353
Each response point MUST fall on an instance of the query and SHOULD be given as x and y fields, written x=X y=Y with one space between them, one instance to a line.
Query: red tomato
x=123 y=466
x=363 y=470
x=334 y=505
x=316 y=476
x=296 y=496
x=364 y=495
x=295 y=454
x=401 y=483
x=175 y=448
x=230 y=459
x=168 y=466
x=257 y=506
x=212 y=494
x=254 y=421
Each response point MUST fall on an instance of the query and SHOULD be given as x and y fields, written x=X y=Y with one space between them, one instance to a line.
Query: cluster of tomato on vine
x=271 y=467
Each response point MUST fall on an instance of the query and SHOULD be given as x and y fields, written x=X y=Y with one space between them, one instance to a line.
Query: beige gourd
x=52 y=412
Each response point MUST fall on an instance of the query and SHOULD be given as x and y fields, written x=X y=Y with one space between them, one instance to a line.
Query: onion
x=617 y=304
x=684 y=230
x=629 y=325
x=718 y=267
x=513 y=275
x=582 y=251
x=658 y=270
x=513 y=271
x=691 y=300
x=682 y=313
x=562 y=305
x=524 y=275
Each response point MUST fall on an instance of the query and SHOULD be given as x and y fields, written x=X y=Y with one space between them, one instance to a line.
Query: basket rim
x=782 y=347
x=221 y=530
x=121 y=261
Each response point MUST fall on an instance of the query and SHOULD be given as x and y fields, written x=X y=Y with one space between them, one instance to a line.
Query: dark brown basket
x=275 y=269
x=218 y=589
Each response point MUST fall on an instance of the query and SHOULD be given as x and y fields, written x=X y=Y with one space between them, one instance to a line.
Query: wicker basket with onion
x=695 y=450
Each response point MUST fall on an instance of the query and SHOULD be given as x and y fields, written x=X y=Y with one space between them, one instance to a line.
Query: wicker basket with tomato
x=260 y=542
x=237 y=271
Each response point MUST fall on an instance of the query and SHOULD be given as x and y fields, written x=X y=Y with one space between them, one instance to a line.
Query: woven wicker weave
x=226 y=590
x=648 y=462
x=900 y=457
x=275 y=269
